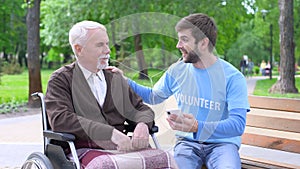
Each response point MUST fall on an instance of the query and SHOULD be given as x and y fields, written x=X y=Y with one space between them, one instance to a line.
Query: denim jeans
x=192 y=155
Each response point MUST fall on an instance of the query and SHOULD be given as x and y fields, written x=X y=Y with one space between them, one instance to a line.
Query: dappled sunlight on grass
x=262 y=87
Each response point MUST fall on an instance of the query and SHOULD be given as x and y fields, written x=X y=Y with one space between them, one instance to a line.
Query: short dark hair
x=202 y=26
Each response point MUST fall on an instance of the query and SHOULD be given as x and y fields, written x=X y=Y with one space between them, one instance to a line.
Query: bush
x=1 y=64
x=256 y=70
x=11 y=68
x=12 y=106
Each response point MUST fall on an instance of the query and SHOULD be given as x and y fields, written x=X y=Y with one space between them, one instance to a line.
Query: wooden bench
x=272 y=134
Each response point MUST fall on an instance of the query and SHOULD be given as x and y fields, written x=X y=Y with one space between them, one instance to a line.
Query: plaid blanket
x=112 y=159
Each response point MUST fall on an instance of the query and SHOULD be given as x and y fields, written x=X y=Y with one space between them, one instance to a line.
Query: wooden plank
x=272 y=123
x=276 y=123
x=285 y=104
x=275 y=113
x=271 y=142
x=273 y=133
x=256 y=163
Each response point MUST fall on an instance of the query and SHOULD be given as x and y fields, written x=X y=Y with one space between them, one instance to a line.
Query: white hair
x=78 y=34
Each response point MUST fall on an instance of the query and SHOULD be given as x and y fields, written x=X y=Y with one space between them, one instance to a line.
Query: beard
x=100 y=64
x=192 y=57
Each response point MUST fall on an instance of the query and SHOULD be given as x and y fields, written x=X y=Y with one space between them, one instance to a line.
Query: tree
x=59 y=15
x=286 y=82
x=12 y=31
x=33 y=46
x=297 y=29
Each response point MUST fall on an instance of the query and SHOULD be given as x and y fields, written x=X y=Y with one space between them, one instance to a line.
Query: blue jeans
x=190 y=154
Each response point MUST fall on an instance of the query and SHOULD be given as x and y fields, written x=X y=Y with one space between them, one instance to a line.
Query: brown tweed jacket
x=72 y=107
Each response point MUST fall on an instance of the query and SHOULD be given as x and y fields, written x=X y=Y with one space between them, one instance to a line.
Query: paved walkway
x=251 y=82
x=20 y=136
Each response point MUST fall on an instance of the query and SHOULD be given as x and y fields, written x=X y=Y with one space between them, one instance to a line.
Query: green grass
x=153 y=74
x=14 y=88
x=262 y=87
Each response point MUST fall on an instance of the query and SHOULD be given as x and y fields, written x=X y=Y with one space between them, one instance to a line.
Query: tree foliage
x=13 y=28
x=59 y=15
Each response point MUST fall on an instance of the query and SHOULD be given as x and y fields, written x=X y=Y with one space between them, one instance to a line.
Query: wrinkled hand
x=115 y=70
x=185 y=123
x=140 y=138
x=121 y=140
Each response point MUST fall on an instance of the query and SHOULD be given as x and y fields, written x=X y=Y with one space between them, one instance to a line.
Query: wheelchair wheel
x=37 y=160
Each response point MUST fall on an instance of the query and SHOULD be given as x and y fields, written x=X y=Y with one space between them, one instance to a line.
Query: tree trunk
x=33 y=49
x=143 y=74
x=5 y=55
x=115 y=44
x=286 y=82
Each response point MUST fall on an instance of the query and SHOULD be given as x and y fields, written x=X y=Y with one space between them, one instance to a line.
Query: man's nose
x=107 y=50
x=178 y=45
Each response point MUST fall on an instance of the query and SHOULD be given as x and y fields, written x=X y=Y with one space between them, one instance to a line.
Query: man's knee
x=185 y=156
x=224 y=156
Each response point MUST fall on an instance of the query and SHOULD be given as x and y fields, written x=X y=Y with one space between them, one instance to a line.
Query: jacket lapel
x=85 y=103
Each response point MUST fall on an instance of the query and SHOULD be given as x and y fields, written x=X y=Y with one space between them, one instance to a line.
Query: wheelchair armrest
x=153 y=130
x=130 y=128
x=58 y=136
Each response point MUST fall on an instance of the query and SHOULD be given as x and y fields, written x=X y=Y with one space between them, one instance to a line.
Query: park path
x=20 y=136
x=251 y=82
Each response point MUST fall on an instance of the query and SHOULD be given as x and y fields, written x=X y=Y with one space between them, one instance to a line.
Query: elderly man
x=84 y=99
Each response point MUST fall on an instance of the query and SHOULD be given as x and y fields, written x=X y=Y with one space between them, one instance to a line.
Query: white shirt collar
x=87 y=74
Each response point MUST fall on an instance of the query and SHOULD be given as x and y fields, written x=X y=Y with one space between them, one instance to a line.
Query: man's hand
x=121 y=140
x=185 y=123
x=116 y=70
x=140 y=138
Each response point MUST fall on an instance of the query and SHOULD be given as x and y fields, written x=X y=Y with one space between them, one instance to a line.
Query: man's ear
x=78 y=48
x=203 y=43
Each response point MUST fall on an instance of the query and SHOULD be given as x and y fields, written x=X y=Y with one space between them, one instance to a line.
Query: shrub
x=11 y=68
x=256 y=70
x=1 y=64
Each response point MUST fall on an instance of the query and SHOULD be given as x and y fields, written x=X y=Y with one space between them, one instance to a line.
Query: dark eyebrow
x=184 y=37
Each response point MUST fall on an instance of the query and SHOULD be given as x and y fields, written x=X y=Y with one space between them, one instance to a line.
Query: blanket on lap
x=112 y=159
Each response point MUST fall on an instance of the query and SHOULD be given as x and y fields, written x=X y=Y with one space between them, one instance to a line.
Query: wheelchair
x=54 y=156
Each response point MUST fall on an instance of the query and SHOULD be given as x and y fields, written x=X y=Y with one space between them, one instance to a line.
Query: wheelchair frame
x=53 y=155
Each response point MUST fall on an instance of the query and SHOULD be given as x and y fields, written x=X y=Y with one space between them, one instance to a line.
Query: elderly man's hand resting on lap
x=140 y=139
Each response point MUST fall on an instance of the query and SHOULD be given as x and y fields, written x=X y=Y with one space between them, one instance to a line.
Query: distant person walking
x=244 y=65
x=263 y=66
x=250 y=67
x=268 y=68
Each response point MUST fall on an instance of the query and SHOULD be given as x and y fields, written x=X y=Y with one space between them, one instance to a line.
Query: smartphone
x=174 y=111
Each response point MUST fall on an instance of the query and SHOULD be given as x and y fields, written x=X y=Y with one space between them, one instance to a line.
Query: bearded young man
x=211 y=94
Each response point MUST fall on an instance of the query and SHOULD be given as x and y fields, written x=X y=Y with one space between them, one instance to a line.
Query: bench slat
x=256 y=163
x=271 y=142
x=292 y=105
x=272 y=123
x=276 y=123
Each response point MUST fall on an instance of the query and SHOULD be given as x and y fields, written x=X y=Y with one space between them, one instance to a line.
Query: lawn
x=14 y=88
x=262 y=87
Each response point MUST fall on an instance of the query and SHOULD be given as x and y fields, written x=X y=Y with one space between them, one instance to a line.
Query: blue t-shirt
x=217 y=97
